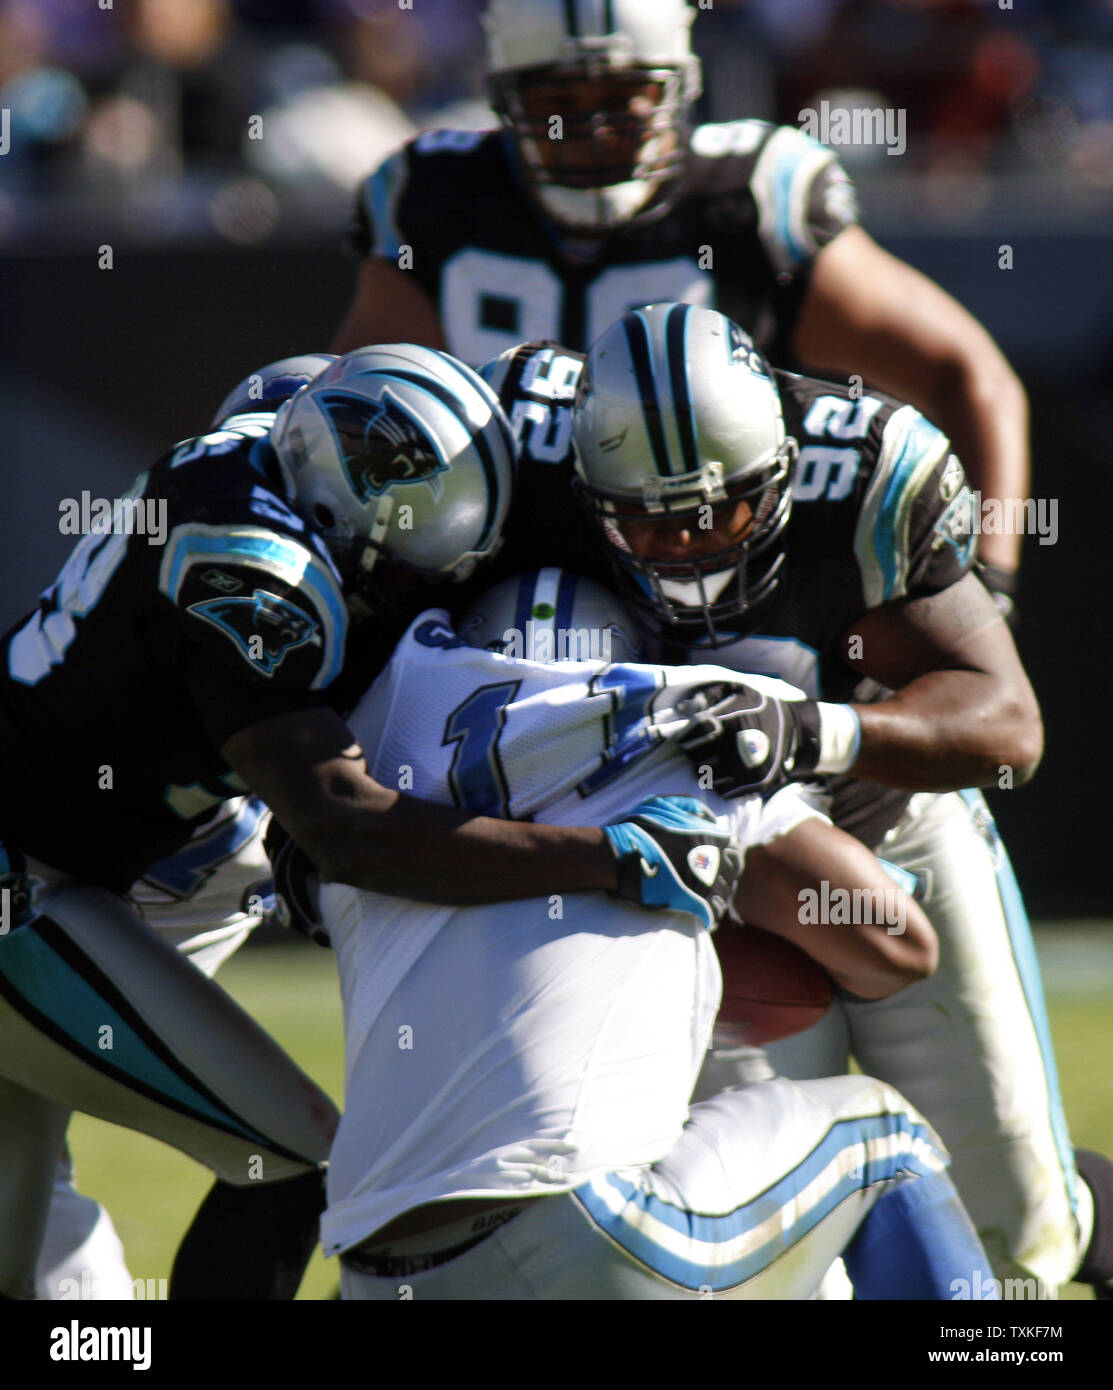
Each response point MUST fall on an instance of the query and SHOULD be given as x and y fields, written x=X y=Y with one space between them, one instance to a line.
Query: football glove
x=296 y=886
x=674 y=855
x=750 y=741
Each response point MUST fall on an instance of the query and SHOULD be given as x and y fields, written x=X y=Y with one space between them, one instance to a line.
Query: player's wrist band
x=840 y=736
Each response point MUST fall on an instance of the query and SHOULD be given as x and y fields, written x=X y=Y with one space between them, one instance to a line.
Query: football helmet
x=552 y=615
x=678 y=420
x=398 y=456
x=619 y=74
x=266 y=389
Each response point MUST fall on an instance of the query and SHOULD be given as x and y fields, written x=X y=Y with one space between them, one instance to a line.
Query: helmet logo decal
x=264 y=627
x=380 y=443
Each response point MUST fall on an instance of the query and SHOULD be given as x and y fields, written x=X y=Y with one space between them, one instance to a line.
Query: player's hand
x=750 y=741
x=296 y=885
x=674 y=855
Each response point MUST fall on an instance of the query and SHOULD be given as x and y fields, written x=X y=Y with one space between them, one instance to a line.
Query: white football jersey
x=570 y=742
x=522 y=1047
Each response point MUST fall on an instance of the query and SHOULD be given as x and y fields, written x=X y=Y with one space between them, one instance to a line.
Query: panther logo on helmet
x=380 y=443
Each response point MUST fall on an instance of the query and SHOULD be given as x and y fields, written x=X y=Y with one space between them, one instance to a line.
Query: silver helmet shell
x=677 y=415
x=598 y=167
x=400 y=453
x=552 y=615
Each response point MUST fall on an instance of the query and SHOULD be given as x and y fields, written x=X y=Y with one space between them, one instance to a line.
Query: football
x=771 y=989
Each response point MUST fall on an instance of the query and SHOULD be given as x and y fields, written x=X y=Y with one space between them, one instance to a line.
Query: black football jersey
x=753 y=205
x=197 y=606
x=881 y=512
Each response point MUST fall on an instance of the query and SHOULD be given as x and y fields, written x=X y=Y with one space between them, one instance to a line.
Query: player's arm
x=871 y=960
x=308 y=768
x=389 y=306
x=866 y=312
x=963 y=709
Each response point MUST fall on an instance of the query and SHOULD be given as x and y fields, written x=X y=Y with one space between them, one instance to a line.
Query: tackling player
x=149 y=684
x=853 y=579
x=517 y=1118
x=205 y=900
x=597 y=196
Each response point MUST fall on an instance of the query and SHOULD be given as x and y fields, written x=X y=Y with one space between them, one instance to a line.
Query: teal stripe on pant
x=36 y=978
x=1027 y=965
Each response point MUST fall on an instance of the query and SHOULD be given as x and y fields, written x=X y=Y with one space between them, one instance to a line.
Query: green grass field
x=152 y=1191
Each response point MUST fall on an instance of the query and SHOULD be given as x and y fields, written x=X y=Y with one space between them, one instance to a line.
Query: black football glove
x=674 y=855
x=296 y=886
x=750 y=741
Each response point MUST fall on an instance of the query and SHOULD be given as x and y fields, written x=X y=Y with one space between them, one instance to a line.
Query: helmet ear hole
x=323 y=516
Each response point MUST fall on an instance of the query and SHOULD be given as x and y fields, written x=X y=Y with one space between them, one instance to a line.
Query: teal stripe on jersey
x=381 y=187
x=1028 y=969
x=694 y=1250
x=54 y=989
x=922 y=441
x=784 y=176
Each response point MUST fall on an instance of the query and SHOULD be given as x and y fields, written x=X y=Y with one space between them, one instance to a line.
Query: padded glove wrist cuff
x=839 y=738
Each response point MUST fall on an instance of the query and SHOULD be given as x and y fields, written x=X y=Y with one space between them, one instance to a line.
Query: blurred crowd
x=242 y=108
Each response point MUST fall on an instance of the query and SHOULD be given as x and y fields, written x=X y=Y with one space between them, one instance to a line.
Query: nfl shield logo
x=753 y=747
x=704 y=863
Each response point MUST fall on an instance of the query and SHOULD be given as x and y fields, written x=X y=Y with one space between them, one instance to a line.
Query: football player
x=150 y=683
x=597 y=196
x=205 y=900
x=852 y=583
x=517 y=1119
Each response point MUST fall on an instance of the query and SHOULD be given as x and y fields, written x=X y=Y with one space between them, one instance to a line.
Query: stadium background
x=129 y=124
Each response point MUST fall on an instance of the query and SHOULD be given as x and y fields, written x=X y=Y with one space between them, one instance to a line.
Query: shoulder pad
x=802 y=195
x=230 y=438
x=377 y=231
x=536 y=383
x=434 y=157
x=263 y=600
x=722 y=157
x=912 y=452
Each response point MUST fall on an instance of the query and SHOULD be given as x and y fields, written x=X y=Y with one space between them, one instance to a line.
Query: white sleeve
x=790 y=807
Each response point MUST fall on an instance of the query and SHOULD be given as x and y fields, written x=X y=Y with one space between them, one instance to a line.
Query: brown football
x=771 y=989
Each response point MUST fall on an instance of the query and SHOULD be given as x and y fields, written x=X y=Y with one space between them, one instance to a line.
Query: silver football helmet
x=552 y=615
x=398 y=455
x=620 y=76
x=678 y=420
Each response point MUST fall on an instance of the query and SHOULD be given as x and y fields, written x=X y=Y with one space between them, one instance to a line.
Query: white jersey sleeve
x=574 y=742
